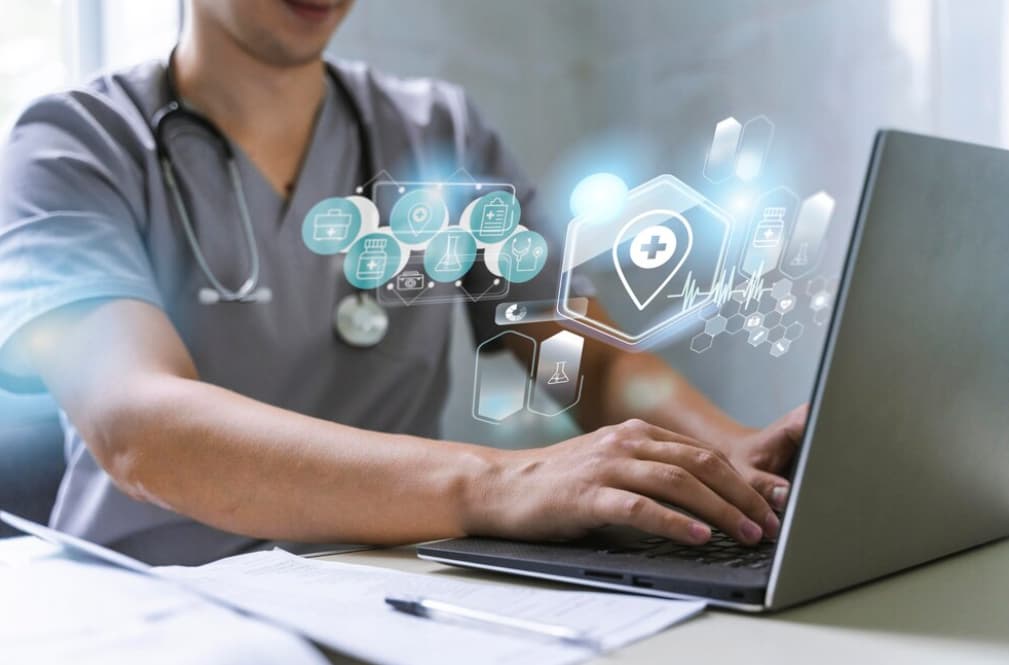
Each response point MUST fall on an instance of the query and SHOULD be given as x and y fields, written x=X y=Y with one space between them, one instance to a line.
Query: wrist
x=479 y=499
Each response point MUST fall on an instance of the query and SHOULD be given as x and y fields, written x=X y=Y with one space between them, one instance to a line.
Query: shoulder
x=107 y=115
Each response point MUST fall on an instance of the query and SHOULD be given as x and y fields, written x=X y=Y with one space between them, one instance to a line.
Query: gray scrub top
x=84 y=213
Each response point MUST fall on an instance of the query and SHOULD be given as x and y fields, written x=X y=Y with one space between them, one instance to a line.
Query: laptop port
x=642 y=582
x=603 y=575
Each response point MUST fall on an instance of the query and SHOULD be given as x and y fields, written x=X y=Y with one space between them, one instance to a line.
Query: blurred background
x=575 y=86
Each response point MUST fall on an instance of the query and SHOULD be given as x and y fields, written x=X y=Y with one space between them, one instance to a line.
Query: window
x=46 y=45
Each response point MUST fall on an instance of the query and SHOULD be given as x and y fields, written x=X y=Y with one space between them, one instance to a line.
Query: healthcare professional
x=154 y=280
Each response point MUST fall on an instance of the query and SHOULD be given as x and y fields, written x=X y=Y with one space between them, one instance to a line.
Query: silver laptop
x=906 y=454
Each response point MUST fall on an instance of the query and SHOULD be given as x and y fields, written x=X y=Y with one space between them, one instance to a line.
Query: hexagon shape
x=794 y=331
x=694 y=237
x=701 y=342
x=753 y=321
x=734 y=323
x=770 y=224
x=715 y=326
x=821 y=317
x=780 y=347
x=781 y=288
x=786 y=304
x=757 y=336
x=772 y=319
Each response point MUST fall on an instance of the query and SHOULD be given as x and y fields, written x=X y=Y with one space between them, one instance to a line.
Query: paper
x=57 y=610
x=342 y=606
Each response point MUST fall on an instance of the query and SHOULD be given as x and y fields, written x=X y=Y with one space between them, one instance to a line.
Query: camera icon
x=410 y=280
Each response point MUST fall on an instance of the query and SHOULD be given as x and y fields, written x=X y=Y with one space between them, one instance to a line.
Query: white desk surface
x=952 y=611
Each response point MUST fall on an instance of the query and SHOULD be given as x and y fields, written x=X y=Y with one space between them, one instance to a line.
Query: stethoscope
x=357 y=319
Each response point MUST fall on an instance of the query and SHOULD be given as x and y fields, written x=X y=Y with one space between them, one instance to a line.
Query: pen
x=438 y=610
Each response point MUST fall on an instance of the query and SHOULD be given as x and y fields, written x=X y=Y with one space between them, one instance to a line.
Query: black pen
x=438 y=610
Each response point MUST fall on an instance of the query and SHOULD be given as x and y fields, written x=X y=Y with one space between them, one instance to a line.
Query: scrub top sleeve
x=488 y=157
x=71 y=201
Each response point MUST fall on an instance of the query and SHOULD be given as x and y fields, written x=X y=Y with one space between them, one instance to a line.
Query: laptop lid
x=906 y=457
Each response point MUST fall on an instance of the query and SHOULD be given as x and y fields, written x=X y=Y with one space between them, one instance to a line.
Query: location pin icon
x=648 y=252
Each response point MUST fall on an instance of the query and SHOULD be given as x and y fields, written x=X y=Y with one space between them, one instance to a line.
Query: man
x=197 y=431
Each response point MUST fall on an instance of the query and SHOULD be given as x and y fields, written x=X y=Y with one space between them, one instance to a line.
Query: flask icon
x=559 y=375
x=371 y=264
x=770 y=229
x=449 y=261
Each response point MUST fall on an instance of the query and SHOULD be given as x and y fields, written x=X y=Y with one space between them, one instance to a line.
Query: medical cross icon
x=653 y=247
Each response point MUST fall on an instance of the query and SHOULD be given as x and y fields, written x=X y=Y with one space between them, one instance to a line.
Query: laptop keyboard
x=721 y=550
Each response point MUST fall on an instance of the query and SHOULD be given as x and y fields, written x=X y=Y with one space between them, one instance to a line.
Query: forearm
x=250 y=468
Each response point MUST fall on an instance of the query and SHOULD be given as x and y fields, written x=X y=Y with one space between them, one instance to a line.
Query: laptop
x=905 y=458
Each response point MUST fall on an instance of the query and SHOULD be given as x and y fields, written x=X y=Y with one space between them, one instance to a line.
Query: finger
x=678 y=486
x=715 y=471
x=773 y=488
x=620 y=507
x=793 y=423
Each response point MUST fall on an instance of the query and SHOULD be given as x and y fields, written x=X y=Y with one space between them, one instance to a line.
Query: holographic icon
x=409 y=280
x=559 y=375
x=494 y=220
x=371 y=263
x=450 y=255
x=771 y=224
x=417 y=216
x=801 y=258
x=527 y=251
x=805 y=245
x=770 y=228
x=667 y=248
x=652 y=247
x=515 y=312
x=738 y=150
x=449 y=261
x=331 y=226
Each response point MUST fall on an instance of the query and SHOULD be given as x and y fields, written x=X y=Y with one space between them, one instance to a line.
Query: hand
x=619 y=475
x=762 y=455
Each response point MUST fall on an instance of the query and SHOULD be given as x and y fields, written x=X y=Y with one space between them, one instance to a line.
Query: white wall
x=553 y=75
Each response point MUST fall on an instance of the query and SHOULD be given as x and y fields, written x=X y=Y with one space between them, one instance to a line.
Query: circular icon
x=653 y=247
x=495 y=216
x=417 y=216
x=515 y=312
x=450 y=255
x=372 y=261
x=523 y=256
x=331 y=226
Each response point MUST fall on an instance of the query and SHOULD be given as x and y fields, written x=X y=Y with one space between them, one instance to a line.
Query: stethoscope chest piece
x=360 y=321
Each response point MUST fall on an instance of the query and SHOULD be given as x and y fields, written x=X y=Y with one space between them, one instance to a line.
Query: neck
x=241 y=94
x=269 y=110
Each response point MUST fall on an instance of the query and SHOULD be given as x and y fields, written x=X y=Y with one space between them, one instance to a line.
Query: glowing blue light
x=600 y=196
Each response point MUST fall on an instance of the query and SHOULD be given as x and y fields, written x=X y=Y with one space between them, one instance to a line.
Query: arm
x=621 y=386
x=126 y=381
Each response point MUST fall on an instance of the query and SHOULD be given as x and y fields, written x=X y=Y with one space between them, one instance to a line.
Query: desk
x=951 y=611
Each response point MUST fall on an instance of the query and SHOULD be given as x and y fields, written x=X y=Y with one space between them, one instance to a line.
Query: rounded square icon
x=657 y=264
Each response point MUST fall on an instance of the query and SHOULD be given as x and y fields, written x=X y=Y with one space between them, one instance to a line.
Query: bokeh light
x=599 y=197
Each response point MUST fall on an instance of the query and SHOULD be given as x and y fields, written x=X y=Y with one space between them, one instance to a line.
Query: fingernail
x=779 y=496
x=751 y=532
x=699 y=533
x=771 y=525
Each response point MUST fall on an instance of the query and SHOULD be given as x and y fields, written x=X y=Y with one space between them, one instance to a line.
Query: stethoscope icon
x=520 y=255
